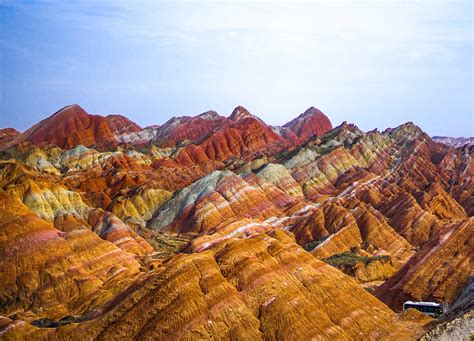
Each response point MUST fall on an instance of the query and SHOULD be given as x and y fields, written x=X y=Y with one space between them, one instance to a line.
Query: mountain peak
x=408 y=129
x=69 y=111
x=209 y=115
x=311 y=123
x=72 y=125
x=239 y=113
x=311 y=111
x=8 y=134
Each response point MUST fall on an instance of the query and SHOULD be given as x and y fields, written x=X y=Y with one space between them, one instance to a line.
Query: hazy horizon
x=374 y=64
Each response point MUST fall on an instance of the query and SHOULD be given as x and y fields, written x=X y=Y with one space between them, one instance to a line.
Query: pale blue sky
x=375 y=63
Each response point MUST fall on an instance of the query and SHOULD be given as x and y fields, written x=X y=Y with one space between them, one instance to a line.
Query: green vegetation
x=49 y=323
x=351 y=259
x=167 y=245
x=312 y=245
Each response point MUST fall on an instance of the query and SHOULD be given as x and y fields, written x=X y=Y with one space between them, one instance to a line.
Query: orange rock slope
x=263 y=287
x=226 y=227
x=48 y=272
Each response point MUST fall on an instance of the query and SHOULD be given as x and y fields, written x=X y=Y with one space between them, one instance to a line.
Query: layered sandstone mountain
x=72 y=126
x=438 y=272
x=309 y=124
x=47 y=272
x=245 y=137
x=265 y=287
x=66 y=209
x=226 y=227
x=8 y=134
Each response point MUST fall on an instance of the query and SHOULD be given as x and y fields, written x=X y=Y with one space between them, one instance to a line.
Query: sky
x=377 y=64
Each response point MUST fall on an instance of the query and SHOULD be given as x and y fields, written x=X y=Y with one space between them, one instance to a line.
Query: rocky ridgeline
x=456 y=142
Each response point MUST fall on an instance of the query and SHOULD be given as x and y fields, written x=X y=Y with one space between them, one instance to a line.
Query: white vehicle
x=428 y=308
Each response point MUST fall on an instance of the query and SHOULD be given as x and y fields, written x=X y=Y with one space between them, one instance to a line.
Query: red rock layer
x=248 y=138
x=186 y=128
x=72 y=126
x=309 y=124
x=8 y=134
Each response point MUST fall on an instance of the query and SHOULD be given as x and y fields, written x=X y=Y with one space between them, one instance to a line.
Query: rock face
x=228 y=228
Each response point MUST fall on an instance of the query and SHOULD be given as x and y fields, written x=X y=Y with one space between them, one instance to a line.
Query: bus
x=428 y=308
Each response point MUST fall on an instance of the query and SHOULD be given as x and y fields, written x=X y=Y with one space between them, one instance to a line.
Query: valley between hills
x=225 y=227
